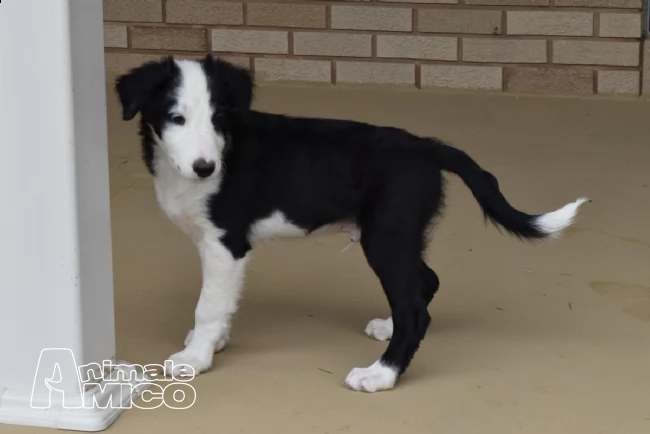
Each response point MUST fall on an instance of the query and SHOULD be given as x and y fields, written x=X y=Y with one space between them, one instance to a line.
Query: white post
x=56 y=283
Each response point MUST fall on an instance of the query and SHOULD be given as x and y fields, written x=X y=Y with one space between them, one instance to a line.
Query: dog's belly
x=351 y=228
x=278 y=226
x=274 y=226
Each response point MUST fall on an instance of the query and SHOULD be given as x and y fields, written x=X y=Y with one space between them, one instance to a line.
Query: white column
x=56 y=283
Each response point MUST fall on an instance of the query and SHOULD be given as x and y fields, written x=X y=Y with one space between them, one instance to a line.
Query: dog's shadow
x=268 y=325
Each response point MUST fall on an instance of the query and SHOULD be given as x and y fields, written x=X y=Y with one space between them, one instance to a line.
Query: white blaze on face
x=196 y=139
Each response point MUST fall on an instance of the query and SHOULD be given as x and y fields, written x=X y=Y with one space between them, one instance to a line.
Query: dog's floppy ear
x=233 y=82
x=137 y=86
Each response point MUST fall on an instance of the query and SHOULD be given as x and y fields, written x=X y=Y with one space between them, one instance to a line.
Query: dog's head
x=187 y=105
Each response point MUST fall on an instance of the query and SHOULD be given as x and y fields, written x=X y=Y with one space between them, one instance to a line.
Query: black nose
x=203 y=168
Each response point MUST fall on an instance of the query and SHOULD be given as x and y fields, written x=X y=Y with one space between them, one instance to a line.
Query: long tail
x=485 y=188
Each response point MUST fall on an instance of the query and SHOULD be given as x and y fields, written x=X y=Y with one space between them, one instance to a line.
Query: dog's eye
x=177 y=119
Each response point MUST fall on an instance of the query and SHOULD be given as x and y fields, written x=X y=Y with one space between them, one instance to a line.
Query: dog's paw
x=218 y=346
x=374 y=378
x=189 y=362
x=380 y=329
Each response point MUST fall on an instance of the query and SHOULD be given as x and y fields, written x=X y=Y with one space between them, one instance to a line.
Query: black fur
x=322 y=171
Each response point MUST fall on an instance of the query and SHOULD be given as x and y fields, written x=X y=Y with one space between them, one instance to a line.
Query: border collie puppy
x=229 y=176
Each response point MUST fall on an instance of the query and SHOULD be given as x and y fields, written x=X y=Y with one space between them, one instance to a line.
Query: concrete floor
x=553 y=338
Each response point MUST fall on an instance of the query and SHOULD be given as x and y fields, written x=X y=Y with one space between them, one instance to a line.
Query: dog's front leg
x=223 y=277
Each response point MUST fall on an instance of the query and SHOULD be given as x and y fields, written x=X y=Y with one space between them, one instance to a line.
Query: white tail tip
x=553 y=223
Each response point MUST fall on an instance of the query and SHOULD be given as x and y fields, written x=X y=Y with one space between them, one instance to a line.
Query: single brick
x=332 y=44
x=551 y=80
x=286 y=15
x=503 y=50
x=133 y=10
x=508 y=2
x=619 y=4
x=293 y=70
x=250 y=41
x=596 y=53
x=620 y=25
x=375 y=73
x=619 y=82
x=462 y=77
x=416 y=1
x=550 y=23
x=237 y=60
x=120 y=62
x=162 y=38
x=115 y=36
x=377 y=18
x=204 y=12
x=417 y=47
x=459 y=21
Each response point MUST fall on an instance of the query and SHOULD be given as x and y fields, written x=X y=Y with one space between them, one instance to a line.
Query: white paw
x=218 y=346
x=374 y=378
x=380 y=329
x=189 y=362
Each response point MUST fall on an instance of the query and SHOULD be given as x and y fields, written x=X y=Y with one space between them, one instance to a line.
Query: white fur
x=183 y=198
x=197 y=138
x=223 y=278
x=553 y=223
x=374 y=378
x=274 y=226
x=380 y=329
x=278 y=226
x=218 y=346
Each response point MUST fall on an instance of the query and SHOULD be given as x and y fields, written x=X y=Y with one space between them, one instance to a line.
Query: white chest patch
x=184 y=200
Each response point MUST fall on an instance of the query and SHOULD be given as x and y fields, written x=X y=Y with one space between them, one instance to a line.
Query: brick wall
x=555 y=46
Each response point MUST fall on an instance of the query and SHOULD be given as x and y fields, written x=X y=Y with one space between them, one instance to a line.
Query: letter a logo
x=57 y=373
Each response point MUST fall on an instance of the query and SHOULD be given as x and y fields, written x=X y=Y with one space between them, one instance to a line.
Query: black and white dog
x=230 y=176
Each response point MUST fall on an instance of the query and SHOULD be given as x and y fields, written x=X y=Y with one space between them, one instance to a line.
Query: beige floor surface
x=553 y=338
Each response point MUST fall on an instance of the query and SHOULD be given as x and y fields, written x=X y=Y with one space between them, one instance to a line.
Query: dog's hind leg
x=382 y=329
x=392 y=241
x=398 y=271
x=431 y=282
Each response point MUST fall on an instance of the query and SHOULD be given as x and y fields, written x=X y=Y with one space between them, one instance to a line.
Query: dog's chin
x=207 y=179
x=196 y=178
